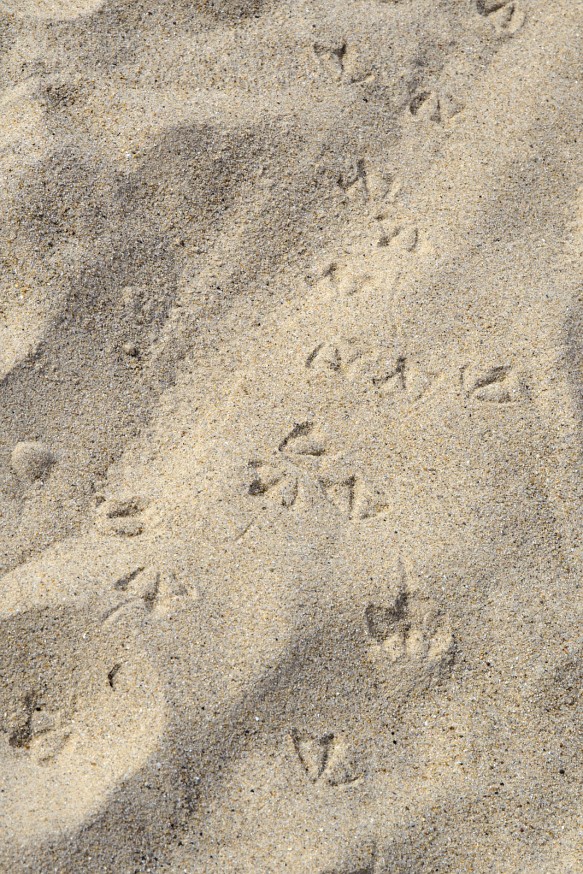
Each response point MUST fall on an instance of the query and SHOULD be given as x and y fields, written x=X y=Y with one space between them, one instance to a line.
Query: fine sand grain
x=291 y=410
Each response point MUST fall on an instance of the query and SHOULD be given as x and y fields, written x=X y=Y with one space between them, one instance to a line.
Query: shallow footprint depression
x=80 y=707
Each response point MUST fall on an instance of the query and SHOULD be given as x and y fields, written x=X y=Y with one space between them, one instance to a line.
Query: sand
x=291 y=356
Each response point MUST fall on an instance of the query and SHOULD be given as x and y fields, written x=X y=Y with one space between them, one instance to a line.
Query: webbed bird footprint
x=275 y=481
x=499 y=384
x=121 y=517
x=152 y=591
x=336 y=356
x=82 y=705
x=505 y=16
x=296 y=461
x=327 y=758
x=409 y=630
x=38 y=732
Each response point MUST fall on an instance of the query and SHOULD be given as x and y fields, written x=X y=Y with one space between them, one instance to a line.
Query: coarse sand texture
x=291 y=420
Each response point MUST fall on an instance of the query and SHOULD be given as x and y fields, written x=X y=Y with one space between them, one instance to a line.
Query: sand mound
x=290 y=432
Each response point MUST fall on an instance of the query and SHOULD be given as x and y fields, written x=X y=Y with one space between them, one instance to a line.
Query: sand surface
x=291 y=368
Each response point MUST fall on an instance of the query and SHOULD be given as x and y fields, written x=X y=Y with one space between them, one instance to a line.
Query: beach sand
x=291 y=367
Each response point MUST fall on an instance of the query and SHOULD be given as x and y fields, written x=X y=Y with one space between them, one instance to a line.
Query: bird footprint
x=409 y=630
x=326 y=759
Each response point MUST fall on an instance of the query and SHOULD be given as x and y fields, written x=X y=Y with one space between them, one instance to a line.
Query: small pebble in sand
x=31 y=460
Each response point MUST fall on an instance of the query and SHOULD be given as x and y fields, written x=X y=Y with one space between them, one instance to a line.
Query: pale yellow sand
x=291 y=348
